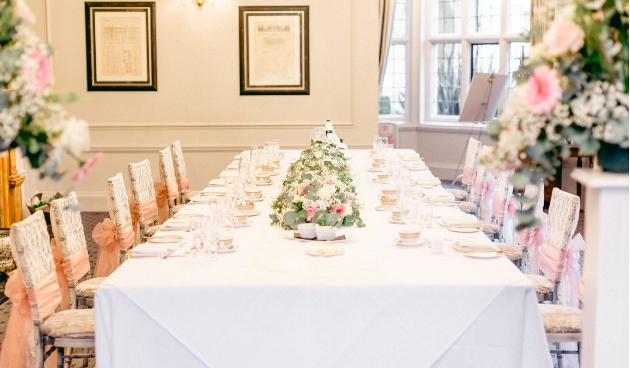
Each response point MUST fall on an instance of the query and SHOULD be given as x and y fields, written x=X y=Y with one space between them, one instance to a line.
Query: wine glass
x=425 y=215
x=409 y=212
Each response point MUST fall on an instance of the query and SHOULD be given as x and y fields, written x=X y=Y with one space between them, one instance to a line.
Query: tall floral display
x=318 y=189
x=31 y=117
x=574 y=90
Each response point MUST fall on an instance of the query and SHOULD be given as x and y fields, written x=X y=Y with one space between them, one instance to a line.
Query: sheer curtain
x=386 y=19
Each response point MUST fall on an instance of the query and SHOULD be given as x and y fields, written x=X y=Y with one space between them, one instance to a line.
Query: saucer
x=229 y=249
x=420 y=241
x=392 y=221
x=383 y=208
x=375 y=169
x=253 y=199
x=380 y=181
x=464 y=228
x=249 y=213
x=165 y=239
x=324 y=251
x=263 y=184
x=483 y=254
x=243 y=224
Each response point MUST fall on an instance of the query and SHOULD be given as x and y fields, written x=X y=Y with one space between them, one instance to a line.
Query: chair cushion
x=72 y=323
x=152 y=230
x=87 y=288
x=458 y=193
x=512 y=251
x=560 y=319
x=489 y=227
x=6 y=259
x=467 y=207
x=541 y=284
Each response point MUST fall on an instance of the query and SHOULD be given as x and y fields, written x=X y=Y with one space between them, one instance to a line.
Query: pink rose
x=37 y=70
x=543 y=90
x=310 y=212
x=87 y=166
x=563 y=36
x=23 y=12
x=338 y=208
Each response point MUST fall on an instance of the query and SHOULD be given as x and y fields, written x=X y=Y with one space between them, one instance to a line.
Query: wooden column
x=10 y=189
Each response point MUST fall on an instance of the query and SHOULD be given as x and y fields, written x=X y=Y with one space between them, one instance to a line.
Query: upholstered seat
x=541 y=284
x=72 y=323
x=459 y=194
x=467 y=207
x=86 y=289
x=560 y=319
x=6 y=259
x=512 y=251
x=152 y=230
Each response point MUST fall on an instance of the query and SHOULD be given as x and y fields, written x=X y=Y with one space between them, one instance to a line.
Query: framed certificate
x=120 y=43
x=274 y=58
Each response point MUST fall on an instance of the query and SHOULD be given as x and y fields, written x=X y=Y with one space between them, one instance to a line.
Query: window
x=457 y=38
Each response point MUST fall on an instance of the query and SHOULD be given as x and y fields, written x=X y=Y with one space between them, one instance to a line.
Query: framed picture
x=120 y=44
x=274 y=57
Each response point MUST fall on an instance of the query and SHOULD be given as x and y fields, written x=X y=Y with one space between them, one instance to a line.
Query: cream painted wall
x=198 y=97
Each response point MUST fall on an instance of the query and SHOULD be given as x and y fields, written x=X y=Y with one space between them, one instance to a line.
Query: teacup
x=226 y=241
x=240 y=218
x=253 y=192
x=387 y=201
x=307 y=231
x=409 y=236
x=263 y=178
x=275 y=162
x=396 y=214
x=376 y=165
x=383 y=177
x=266 y=168
x=247 y=206
x=326 y=233
x=391 y=193
x=373 y=152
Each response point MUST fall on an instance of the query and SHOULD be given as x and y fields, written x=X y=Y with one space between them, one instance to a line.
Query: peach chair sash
x=134 y=213
x=110 y=240
x=183 y=185
x=20 y=343
x=468 y=175
x=61 y=276
x=69 y=271
x=162 y=196
x=553 y=262
x=146 y=212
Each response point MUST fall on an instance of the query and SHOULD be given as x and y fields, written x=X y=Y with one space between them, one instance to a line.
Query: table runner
x=269 y=304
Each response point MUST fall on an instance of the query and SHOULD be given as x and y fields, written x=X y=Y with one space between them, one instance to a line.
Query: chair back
x=118 y=205
x=167 y=174
x=178 y=162
x=30 y=246
x=472 y=161
x=527 y=237
x=143 y=191
x=502 y=194
x=562 y=219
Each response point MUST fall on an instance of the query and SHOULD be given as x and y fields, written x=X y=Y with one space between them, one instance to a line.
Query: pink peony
x=37 y=70
x=563 y=36
x=543 y=90
x=23 y=12
x=87 y=166
x=338 y=208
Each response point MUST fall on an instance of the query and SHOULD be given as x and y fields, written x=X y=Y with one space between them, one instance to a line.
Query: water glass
x=425 y=214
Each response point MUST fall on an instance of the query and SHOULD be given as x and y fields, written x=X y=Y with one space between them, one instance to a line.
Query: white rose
x=347 y=210
x=324 y=193
x=75 y=138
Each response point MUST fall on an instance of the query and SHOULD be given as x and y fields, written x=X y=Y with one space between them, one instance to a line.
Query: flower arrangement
x=318 y=189
x=31 y=117
x=573 y=89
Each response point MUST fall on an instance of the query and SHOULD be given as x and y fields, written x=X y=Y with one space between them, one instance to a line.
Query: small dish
x=483 y=254
x=380 y=181
x=464 y=228
x=249 y=213
x=383 y=208
x=418 y=242
x=243 y=224
x=324 y=251
x=263 y=184
x=228 y=249
x=443 y=203
x=392 y=221
x=165 y=238
x=296 y=236
x=374 y=169
x=255 y=199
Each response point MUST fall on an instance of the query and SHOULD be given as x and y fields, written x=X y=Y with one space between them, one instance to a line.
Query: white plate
x=483 y=254
x=314 y=240
x=230 y=249
x=383 y=208
x=417 y=168
x=165 y=239
x=443 y=203
x=252 y=199
x=380 y=181
x=273 y=173
x=186 y=215
x=374 y=169
x=392 y=221
x=212 y=193
x=463 y=229
x=420 y=241
x=243 y=224
x=324 y=251
x=263 y=185
x=249 y=213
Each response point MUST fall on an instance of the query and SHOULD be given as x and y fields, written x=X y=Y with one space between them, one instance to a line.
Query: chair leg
x=560 y=356
x=60 y=358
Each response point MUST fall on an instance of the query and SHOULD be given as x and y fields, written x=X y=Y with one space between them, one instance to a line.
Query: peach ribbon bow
x=183 y=185
x=110 y=240
x=553 y=262
x=145 y=213
x=162 y=195
x=69 y=270
x=20 y=342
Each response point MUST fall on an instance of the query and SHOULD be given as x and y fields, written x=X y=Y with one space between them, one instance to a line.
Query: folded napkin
x=202 y=199
x=430 y=181
x=461 y=218
x=473 y=244
x=177 y=223
x=156 y=249
x=209 y=191
x=217 y=183
x=228 y=173
x=438 y=197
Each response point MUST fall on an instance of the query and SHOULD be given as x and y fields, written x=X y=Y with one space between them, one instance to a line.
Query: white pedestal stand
x=606 y=279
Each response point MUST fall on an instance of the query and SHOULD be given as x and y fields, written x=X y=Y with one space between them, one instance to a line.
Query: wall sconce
x=199 y=3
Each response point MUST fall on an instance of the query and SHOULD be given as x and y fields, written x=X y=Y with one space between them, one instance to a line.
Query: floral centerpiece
x=31 y=117
x=573 y=89
x=318 y=189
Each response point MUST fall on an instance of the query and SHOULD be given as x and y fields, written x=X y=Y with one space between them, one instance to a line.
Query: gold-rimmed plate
x=165 y=239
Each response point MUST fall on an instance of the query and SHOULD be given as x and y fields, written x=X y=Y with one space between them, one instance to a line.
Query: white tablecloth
x=271 y=305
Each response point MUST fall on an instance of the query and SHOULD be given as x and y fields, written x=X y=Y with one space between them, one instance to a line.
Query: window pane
x=447 y=16
x=400 y=19
x=485 y=16
x=392 y=98
x=518 y=16
x=518 y=51
x=446 y=74
x=485 y=58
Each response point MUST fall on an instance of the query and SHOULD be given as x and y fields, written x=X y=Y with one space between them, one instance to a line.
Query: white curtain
x=386 y=20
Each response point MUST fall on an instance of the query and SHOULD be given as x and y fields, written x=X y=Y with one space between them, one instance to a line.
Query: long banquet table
x=271 y=305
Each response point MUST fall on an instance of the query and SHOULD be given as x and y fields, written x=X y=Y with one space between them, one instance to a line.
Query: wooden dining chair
x=181 y=173
x=169 y=180
x=144 y=197
x=120 y=211
x=73 y=328
x=67 y=227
